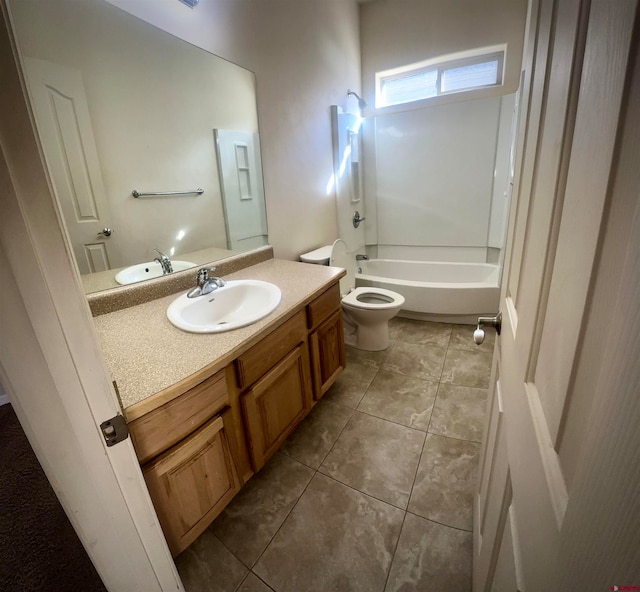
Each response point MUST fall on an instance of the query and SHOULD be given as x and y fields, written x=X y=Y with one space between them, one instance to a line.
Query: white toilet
x=366 y=311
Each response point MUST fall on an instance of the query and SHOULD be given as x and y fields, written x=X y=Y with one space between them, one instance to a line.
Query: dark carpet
x=39 y=550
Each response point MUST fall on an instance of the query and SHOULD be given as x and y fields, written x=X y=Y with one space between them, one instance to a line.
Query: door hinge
x=114 y=430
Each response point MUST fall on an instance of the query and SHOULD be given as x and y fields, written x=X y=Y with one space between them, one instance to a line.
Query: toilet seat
x=387 y=299
x=378 y=298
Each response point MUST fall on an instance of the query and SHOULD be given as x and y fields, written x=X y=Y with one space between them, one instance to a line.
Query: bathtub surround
x=440 y=189
x=436 y=171
x=437 y=200
x=373 y=490
x=434 y=174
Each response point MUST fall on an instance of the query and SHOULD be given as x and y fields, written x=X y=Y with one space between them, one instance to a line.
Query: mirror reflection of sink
x=148 y=271
x=237 y=304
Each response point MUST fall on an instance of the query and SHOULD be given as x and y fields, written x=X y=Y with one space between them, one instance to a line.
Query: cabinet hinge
x=114 y=430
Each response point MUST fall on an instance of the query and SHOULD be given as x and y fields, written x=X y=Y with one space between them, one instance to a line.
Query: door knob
x=478 y=334
x=357 y=219
x=105 y=232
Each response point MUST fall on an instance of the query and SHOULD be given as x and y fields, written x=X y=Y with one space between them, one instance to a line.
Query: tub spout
x=362 y=257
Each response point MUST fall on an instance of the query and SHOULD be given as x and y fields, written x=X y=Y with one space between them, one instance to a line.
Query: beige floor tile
x=208 y=566
x=424 y=333
x=377 y=457
x=459 y=412
x=446 y=480
x=335 y=539
x=375 y=358
x=395 y=327
x=402 y=399
x=431 y=558
x=419 y=361
x=305 y=533
x=352 y=384
x=249 y=522
x=314 y=437
x=254 y=584
x=467 y=368
x=462 y=338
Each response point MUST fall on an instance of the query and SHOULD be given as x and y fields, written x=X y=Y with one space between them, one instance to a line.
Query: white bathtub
x=436 y=288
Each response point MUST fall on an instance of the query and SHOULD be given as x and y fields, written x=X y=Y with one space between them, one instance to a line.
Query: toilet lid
x=341 y=257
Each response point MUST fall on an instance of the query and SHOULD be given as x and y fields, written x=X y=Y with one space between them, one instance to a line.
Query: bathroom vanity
x=206 y=411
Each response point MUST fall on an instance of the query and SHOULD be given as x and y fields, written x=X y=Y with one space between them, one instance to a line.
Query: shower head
x=361 y=102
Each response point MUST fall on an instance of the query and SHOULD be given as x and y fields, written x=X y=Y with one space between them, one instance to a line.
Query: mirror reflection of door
x=62 y=113
x=242 y=191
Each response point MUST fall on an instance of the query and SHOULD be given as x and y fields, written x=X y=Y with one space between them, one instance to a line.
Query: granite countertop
x=146 y=354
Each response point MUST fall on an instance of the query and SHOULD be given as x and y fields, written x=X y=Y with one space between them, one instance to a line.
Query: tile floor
x=373 y=492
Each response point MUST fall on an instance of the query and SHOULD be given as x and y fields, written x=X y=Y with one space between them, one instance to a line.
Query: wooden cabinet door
x=191 y=484
x=276 y=404
x=327 y=353
x=160 y=429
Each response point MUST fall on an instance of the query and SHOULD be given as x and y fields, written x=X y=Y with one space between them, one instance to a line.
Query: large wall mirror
x=123 y=108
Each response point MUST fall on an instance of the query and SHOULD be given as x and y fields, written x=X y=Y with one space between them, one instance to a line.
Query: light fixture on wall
x=191 y=3
x=361 y=102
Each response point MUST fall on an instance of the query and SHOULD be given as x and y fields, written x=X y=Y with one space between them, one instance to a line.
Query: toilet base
x=366 y=337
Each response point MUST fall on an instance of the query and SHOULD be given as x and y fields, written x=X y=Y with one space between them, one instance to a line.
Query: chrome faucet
x=362 y=257
x=164 y=262
x=205 y=284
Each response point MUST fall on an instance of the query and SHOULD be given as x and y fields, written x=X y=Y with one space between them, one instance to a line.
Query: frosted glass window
x=413 y=87
x=473 y=76
x=450 y=74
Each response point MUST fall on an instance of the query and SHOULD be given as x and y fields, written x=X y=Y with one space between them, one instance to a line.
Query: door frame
x=51 y=365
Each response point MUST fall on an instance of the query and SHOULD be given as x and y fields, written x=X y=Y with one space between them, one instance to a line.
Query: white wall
x=400 y=32
x=154 y=102
x=305 y=55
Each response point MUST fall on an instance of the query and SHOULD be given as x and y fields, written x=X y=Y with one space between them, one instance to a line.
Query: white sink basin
x=238 y=304
x=148 y=271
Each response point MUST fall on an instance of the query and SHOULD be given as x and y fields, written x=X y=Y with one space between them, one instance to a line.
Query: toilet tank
x=319 y=256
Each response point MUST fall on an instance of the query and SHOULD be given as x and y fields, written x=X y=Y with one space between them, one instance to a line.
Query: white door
x=240 y=171
x=537 y=424
x=62 y=115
